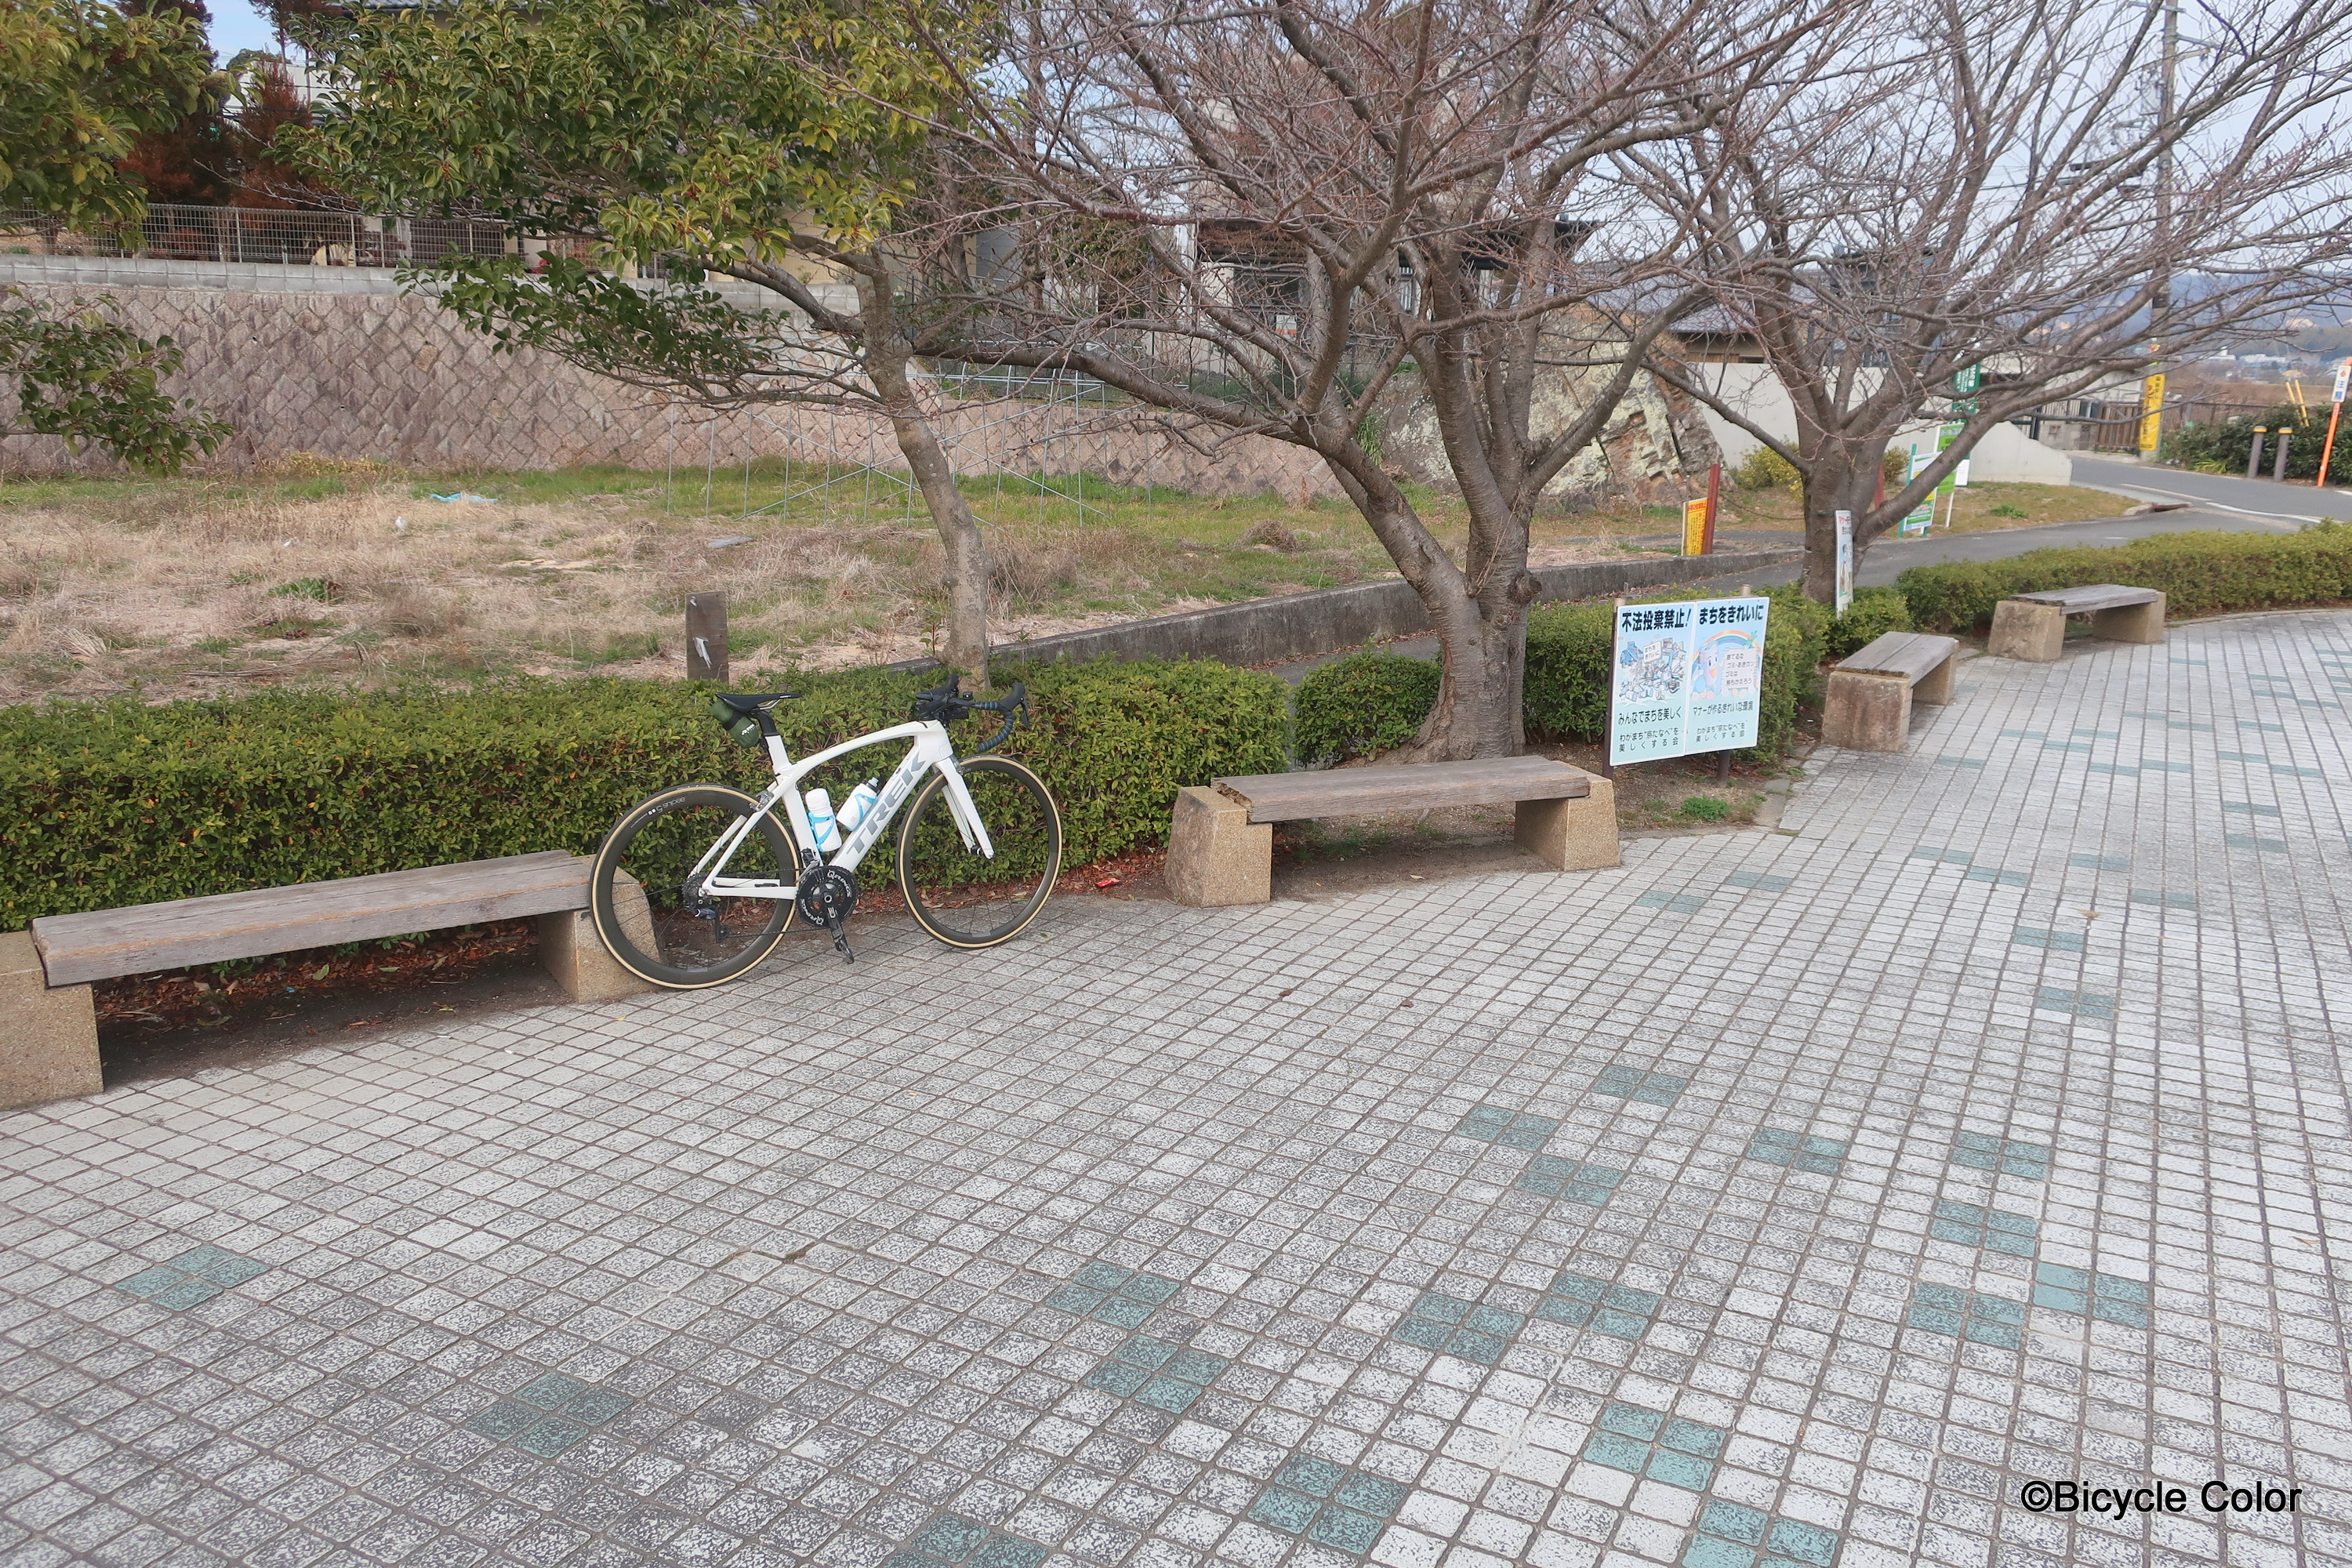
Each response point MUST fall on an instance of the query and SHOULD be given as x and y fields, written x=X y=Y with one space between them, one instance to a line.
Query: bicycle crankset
x=826 y=895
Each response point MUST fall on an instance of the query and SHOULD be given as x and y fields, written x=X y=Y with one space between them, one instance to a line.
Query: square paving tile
x=2016 y=1235
x=2010 y=1156
x=1966 y=1314
x=1797 y=1150
x=1553 y=1177
x=1498 y=1124
x=1646 y=1088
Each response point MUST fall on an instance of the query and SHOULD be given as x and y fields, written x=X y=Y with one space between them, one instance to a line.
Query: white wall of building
x=2006 y=455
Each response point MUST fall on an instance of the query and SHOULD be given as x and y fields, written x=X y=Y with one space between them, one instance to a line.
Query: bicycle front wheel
x=959 y=895
x=670 y=936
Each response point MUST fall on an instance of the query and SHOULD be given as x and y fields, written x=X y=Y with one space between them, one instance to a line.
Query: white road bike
x=724 y=872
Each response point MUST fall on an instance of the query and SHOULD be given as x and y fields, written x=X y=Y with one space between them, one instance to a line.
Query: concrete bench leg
x=1571 y=835
x=1935 y=688
x=2023 y=630
x=48 y=1038
x=2131 y=622
x=574 y=956
x=1867 y=712
x=1216 y=856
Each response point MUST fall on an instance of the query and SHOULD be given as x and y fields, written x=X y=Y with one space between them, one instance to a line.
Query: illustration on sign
x=1688 y=677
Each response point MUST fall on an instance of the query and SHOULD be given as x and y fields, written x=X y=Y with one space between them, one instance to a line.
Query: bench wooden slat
x=2097 y=596
x=106 y=943
x=1361 y=792
x=1911 y=655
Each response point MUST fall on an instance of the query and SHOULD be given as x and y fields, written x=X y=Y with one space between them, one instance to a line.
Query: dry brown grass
x=346 y=573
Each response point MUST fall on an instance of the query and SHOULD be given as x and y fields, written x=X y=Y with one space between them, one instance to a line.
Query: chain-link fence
x=171 y=231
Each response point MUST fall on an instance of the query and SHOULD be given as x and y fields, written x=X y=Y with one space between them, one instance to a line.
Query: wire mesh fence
x=172 y=231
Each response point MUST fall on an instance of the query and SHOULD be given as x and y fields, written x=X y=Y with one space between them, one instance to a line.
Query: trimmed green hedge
x=104 y=806
x=1873 y=613
x=1567 y=667
x=2199 y=573
x=1367 y=702
x=2223 y=447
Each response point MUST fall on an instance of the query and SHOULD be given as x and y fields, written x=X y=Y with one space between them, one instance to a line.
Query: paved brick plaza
x=1796 y=1198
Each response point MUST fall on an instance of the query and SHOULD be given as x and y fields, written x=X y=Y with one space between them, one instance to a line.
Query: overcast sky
x=238 y=26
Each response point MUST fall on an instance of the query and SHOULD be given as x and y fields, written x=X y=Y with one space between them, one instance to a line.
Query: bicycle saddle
x=752 y=702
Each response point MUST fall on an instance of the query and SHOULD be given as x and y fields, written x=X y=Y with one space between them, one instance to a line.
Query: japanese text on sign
x=1686 y=678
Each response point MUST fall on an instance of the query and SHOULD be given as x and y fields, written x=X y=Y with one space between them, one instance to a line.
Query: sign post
x=2151 y=414
x=1686 y=677
x=2343 y=381
x=1844 y=562
x=1698 y=517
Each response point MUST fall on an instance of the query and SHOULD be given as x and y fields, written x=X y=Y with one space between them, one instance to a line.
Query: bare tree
x=1271 y=219
x=2041 y=193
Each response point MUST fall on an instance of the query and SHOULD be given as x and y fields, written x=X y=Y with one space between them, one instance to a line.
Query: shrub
x=1873 y=613
x=1567 y=667
x=1766 y=469
x=104 y=806
x=2199 y=573
x=2222 y=447
x=1366 y=703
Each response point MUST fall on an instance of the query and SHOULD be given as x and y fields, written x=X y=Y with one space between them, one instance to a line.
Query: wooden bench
x=1873 y=688
x=51 y=1045
x=1221 y=842
x=2032 y=627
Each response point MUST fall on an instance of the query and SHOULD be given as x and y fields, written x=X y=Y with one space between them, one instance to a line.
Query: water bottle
x=821 y=826
x=860 y=803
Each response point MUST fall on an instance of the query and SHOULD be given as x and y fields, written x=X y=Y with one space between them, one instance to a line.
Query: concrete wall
x=1295 y=626
x=334 y=360
x=2005 y=455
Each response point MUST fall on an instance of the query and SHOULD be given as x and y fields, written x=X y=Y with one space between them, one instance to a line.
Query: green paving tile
x=2056 y=941
x=2099 y=862
x=1947 y=857
x=2121 y=770
x=1122 y=1298
x=2248 y=841
x=2250 y=808
x=550 y=1390
x=1965 y=1314
x=191 y=1279
x=2082 y=1004
x=2014 y=1235
x=1758 y=882
x=1581 y=1301
x=1550 y=1176
x=1797 y=1150
x=1449 y=1324
x=1678 y=1452
x=2102 y=734
x=2258 y=724
x=1646 y=1087
x=1328 y=1504
x=1676 y=903
x=1514 y=1130
x=2083 y=746
x=1995 y=874
x=549 y=1436
x=1163 y=1374
x=2243 y=757
x=2007 y=1155
x=2026 y=734
x=2163 y=767
x=1961 y=761
x=505 y=1421
x=2106 y=1297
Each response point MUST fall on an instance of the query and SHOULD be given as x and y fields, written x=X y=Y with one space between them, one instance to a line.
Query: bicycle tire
x=668 y=927
x=942 y=882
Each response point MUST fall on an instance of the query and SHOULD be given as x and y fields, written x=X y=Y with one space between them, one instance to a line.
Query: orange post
x=1714 y=484
x=2328 y=448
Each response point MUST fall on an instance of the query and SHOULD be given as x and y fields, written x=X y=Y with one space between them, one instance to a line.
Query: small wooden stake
x=705 y=637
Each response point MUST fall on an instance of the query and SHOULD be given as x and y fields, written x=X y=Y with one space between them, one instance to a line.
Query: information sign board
x=1686 y=678
x=1844 y=562
x=1695 y=529
x=1916 y=520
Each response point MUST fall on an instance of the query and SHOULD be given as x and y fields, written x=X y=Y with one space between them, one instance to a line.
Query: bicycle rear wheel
x=964 y=898
x=669 y=938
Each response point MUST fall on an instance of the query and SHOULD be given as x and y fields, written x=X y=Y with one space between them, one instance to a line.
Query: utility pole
x=2151 y=397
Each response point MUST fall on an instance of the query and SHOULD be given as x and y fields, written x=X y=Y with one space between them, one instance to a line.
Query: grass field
x=335 y=572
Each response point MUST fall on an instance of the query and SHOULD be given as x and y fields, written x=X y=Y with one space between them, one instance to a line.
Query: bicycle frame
x=932 y=749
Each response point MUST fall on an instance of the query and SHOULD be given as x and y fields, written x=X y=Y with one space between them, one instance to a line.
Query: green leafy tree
x=84 y=82
x=778 y=142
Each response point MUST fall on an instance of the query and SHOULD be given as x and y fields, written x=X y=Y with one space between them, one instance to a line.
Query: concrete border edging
x=1297 y=625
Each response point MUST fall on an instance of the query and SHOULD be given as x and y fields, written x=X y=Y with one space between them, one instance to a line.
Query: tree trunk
x=1481 y=708
x=965 y=574
x=1833 y=482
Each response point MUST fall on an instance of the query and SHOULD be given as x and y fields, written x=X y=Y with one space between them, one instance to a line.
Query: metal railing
x=172 y=231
